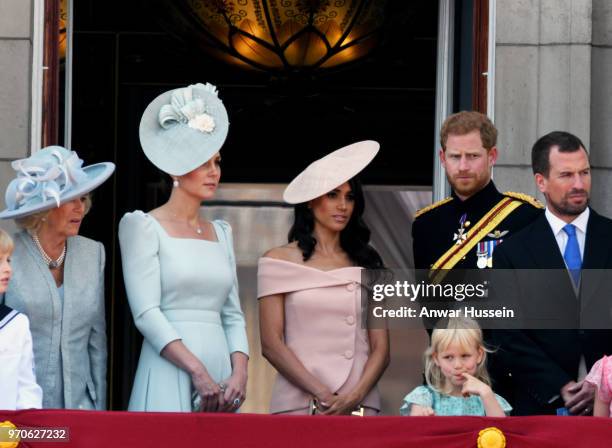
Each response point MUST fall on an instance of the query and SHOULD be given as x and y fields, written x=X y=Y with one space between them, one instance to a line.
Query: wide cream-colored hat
x=331 y=171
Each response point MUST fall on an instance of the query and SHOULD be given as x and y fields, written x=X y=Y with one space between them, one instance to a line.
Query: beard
x=565 y=207
x=468 y=187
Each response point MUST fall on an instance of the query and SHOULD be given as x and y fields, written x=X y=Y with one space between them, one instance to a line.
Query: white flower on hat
x=202 y=123
x=186 y=109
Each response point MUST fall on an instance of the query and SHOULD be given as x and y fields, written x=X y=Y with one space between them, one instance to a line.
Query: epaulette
x=432 y=206
x=525 y=198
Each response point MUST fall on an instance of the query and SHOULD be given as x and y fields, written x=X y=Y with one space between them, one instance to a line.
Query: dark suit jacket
x=537 y=363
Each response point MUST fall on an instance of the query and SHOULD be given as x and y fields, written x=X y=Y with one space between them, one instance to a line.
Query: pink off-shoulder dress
x=322 y=328
x=601 y=377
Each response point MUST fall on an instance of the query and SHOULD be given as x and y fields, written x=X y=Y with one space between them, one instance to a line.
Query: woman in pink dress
x=310 y=295
x=601 y=377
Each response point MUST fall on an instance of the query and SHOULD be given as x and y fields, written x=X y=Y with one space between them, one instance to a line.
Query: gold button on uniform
x=350 y=287
x=350 y=320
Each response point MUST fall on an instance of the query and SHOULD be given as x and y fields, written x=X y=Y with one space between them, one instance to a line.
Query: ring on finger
x=236 y=401
x=222 y=386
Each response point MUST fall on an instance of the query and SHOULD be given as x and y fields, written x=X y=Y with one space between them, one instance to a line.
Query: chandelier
x=282 y=36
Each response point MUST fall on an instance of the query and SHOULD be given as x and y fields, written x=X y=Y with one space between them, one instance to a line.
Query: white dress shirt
x=18 y=387
x=557 y=225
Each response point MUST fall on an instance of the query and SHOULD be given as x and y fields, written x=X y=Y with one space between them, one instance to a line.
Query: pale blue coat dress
x=179 y=288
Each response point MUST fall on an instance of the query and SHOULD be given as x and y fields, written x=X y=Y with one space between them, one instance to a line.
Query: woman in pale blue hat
x=179 y=269
x=58 y=279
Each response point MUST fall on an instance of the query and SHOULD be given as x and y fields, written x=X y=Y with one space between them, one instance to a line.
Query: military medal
x=484 y=253
x=481 y=255
x=460 y=236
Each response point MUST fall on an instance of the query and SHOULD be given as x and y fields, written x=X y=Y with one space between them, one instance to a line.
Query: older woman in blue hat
x=179 y=269
x=58 y=279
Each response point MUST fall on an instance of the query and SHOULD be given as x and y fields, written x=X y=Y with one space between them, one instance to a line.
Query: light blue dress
x=179 y=288
x=446 y=405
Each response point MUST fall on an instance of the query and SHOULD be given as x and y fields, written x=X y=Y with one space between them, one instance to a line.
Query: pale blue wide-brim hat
x=183 y=128
x=49 y=178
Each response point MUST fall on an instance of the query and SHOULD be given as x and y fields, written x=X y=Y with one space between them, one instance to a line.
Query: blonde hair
x=32 y=223
x=463 y=331
x=6 y=243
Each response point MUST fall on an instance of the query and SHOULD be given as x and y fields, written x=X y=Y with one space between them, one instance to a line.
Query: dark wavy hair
x=354 y=239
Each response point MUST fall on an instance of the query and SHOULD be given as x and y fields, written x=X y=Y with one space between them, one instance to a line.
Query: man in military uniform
x=462 y=230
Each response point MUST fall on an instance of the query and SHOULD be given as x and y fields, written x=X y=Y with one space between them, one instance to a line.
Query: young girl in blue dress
x=456 y=376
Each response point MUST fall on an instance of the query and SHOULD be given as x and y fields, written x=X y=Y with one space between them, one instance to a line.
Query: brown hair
x=465 y=122
x=540 y=153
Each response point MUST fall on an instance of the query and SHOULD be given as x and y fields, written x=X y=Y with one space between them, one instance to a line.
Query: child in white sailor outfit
x=18 y=387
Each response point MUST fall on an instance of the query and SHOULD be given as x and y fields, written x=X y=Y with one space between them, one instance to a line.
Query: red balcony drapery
x=90 y=429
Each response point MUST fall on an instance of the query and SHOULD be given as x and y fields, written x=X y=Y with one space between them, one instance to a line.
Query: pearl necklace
x=52 y=264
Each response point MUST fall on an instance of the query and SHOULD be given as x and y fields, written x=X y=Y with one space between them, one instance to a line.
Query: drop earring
x=175 y=183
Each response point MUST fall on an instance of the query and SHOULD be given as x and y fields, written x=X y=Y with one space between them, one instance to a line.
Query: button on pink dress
x=322 y=328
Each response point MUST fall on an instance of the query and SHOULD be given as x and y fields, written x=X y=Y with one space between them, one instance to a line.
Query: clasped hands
x=226 y=396
x=328 y=403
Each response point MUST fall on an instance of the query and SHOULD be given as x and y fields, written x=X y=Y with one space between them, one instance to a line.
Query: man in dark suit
x=545 y=368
